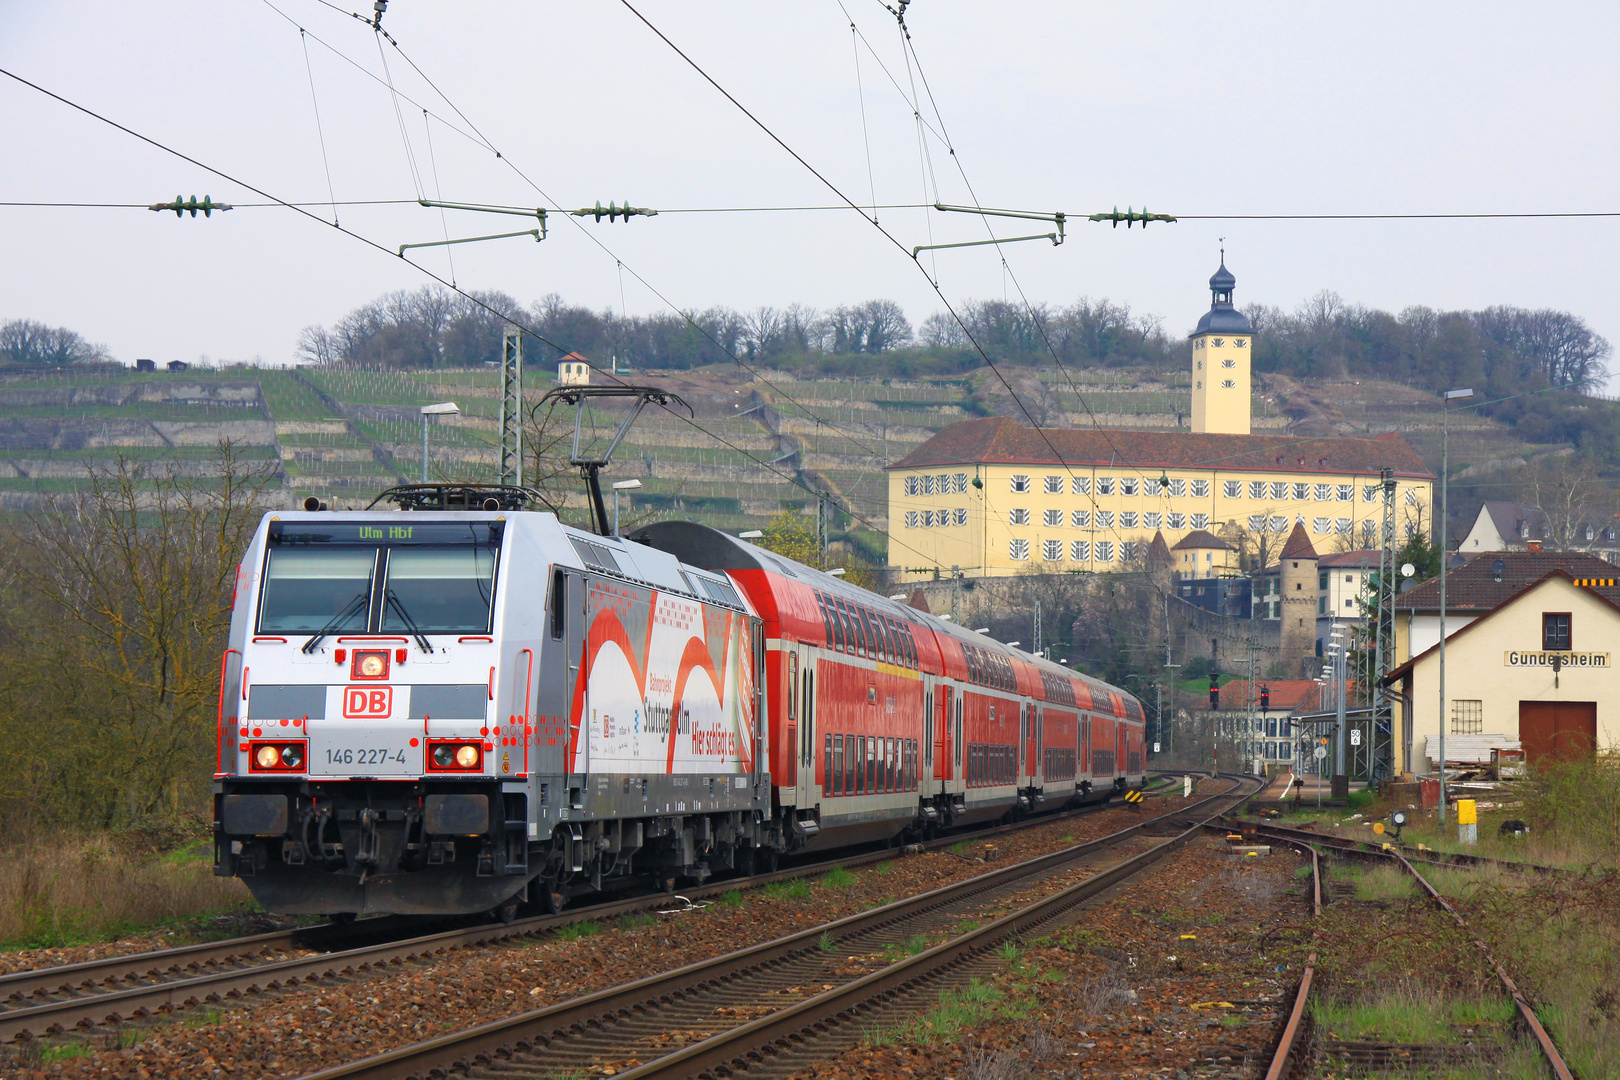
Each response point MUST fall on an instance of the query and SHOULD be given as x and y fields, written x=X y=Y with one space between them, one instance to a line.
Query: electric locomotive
x=463 y=705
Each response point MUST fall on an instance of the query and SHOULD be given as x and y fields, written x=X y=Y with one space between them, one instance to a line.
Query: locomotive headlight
x=444 y=756
x=455 y=755
x=292 y=756
x=371 y=666
x=268 y=757
x=467 y=756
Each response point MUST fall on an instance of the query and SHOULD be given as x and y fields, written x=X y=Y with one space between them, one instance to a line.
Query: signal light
x=279 y=757
x=180 y=206
x=454 y=755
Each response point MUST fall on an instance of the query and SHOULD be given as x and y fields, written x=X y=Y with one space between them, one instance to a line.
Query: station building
x=991 y=497
x=1532 y=648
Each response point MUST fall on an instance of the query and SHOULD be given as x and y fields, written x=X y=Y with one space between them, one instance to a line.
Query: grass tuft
x=577 y=931
x=838 y=878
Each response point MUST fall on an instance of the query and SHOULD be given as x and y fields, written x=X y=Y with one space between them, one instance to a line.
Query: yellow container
x=1466 y=814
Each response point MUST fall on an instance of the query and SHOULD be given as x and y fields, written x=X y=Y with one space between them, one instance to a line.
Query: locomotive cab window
x=438 y=590
x=307 y=590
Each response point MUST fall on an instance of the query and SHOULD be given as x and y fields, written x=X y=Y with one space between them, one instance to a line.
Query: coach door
x=802 y=700
x=925 y=772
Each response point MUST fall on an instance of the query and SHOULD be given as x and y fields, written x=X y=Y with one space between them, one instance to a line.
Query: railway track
x=770 y=1009
x=50 y=1001
x=1296 y=1044
x=1427 y=856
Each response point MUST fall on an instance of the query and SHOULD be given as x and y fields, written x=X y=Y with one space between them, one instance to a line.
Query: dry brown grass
x=58 y=889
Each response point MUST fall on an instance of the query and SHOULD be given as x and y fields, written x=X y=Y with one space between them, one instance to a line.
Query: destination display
x=284 y=533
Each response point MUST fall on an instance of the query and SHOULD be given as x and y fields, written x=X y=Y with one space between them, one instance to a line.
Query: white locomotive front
x=424 y=712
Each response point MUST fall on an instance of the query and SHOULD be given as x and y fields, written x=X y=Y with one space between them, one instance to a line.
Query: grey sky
x=1192 y=109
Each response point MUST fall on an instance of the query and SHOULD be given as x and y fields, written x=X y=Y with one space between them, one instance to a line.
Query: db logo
x=367 y=702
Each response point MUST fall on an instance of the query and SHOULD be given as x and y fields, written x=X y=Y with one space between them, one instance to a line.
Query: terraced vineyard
x=345 y=434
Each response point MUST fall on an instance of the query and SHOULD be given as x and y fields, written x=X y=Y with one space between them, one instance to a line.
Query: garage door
x=1557 y=730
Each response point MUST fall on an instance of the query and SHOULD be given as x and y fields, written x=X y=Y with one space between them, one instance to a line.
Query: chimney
x=1533 y=545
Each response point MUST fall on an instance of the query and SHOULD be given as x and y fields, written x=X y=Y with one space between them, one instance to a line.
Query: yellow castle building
x=992 y=497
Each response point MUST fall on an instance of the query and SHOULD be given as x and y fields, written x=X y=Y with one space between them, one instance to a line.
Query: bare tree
x=33 y=344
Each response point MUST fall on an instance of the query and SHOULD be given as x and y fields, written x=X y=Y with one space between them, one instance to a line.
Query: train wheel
x=667 y=884
x=507 y=912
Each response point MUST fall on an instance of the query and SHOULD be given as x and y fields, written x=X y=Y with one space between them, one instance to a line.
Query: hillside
x=344 y=434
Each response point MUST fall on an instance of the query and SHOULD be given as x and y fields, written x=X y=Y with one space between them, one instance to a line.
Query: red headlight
x=455 y=755
x=369 y=664
x=282 y=756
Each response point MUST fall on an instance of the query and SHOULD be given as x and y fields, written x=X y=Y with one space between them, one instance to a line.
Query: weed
x=637 y=921
x=64 y=1051
x=838 y=878
x=967 y=926
x=797 y=889
x=961 y=847
x=910 y=947
x=885 y=867
x=826 y=942
x=576 y=931
x=1303 y=871
x=1067 y=838
x=954 y=1012
x=1406 y=1015
x=1232 y=1020
x=129 y=1037
x=1011 y=952
x=206 y=1018
x=731 y=898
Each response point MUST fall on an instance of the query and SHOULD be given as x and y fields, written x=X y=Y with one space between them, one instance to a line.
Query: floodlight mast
x=591 y=467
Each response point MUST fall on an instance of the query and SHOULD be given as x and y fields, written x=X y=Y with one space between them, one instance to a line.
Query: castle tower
x=1221 y=380
x=1298 y=585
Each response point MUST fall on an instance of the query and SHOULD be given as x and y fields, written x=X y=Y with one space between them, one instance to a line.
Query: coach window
x=849 y=764
x=826 y=765
x=862 y=644
x=871 y=765
x=860 y=767
x=829 y=611
x=894 y=764
x=874 y=635
x=835 y=776
x=826 y=620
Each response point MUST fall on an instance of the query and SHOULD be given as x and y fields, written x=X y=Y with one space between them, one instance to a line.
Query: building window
x=1018 y=517
x=1229 y=364
x=1080 y=551
x=1555 y=631
x=961 y=482
x=1150 y=487
x=1020 y=483
x=1349 y=603
x=928 y=485
x=1129 y=550
x=1279 y=490
x=943 y=518
x=1018 y=550
x=1232 y=488
x=1200 y=489
x=1127 y=486
x=1178 y=488
x=911 y=485
x=1105 y=485
x=1152 y=520
x=1080 y=519
x=911 y=519
x=1054 y=485
x=1319 y=525
x=1257 y=489
x=1105 y=519
x=1257 y=523
x=928 y=519
x=1411 y=529
x=1467 y=717
x=1302 y=492
x=1228 y=384
x=1321 y=605
x=1200 y=521
x=1052 y=518
x=1127 y=519
x=1411 y=496
x=1082 y=485
x=1347 y=493
x=961 y=516
x=1178 y=521
x=1367 y=531
x=1218 y=342
x=1369 y=493
x=1324 y=492
x=1105 y=551
x=1341 y=526
x=1052 y=550
x=1279 y=524
x=942 y=484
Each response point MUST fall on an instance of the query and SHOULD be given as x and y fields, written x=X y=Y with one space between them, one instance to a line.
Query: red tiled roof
x=1361 y=559
x=1295 y=695
x=1473 y=585
x=1299 y=545
x=1000 y=440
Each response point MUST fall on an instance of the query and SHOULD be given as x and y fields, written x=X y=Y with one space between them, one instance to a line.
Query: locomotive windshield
x=343 y=577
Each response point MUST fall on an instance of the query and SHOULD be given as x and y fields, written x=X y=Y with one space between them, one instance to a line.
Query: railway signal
x=180 y=206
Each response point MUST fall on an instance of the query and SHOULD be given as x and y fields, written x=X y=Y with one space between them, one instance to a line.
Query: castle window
x=1279 y=524
x=1127 y=486
x=1302 y=492
x=1320 y=525
x=1228 y=384
x=1105 y=551
x=911 y=485
x=1080 y=519
x=1054 y=485
x=1279 y=490
x=1082 y=485
x=1411 y=496
x=1232 y=488
x=1200 y=521
x=1080 y=550
x=1324 y=492
x=911 y=519
x=1129 y=550
x=1178 y=488
x=1369 y=493
x=942 y=484
x=1200 y=489
x=961 y=481
x=1018 y=550
x=1342 y=527
x=1052 y=550
x=1229 y=363
x=1240 y=343
x=1105 y=485
x=1105 y=519
x=1150 y=487
x=1020 y=483
x=1053 y=518
x=1178 y=521
x=1347 y=492
x=1018 y=516
x=942 y=518
x=928 y=485
x=1152 y=520
x=1367 y=530
x=1411 y=529
x=961 y=517
x=1257 y=489
x=1199 y=344
x=1127 y=520
x=1257 y=523
x=1218 y=342
x=928 y=519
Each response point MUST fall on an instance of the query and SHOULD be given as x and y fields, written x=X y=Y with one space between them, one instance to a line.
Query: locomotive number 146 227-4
x=349 y=755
